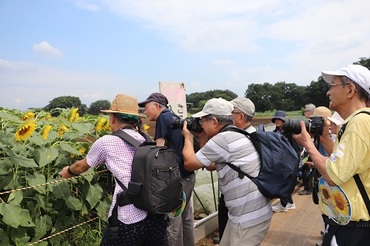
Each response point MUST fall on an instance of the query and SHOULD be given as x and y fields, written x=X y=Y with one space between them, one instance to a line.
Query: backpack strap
x=248 y=135
x=356 y=177
x=364 y=195
x=127 y=138
x=122 y=199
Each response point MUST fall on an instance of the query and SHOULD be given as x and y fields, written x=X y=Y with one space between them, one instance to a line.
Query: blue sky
x=99 y=48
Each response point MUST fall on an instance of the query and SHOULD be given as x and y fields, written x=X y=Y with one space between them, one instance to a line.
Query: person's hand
x=185 y=131
x=304 y=138
x=64 y=172
x=310 y=164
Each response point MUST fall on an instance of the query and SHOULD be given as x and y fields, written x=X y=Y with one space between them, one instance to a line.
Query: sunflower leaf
x=45 y=156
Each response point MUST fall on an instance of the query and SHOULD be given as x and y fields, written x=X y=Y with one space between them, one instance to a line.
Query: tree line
x=266 y=97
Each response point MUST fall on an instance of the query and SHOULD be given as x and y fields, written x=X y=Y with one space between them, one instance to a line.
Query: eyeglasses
x=332 y=85
x=203 y=119
x=236 y=112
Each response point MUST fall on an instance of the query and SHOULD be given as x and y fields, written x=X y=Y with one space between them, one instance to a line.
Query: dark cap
x=279 y=114
x=155 y=97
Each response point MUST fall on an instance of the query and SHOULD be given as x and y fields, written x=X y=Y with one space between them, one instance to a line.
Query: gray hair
x=310 y=107
x=222 y=119
x=362 y=94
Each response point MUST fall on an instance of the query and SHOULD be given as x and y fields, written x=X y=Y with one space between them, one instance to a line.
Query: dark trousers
x=307 y=179
x=222 y=216
x=150 y=231
x=347 y=235
x=286 y=200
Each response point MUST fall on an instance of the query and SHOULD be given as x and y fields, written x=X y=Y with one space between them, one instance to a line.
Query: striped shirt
x=117 y=155
x=247 y=206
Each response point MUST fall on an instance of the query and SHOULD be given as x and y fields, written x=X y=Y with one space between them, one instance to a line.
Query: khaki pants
x=251 y=236
x=180 y=232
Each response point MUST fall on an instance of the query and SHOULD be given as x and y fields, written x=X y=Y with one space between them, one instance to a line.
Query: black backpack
x=279 y=163
x=155 y=184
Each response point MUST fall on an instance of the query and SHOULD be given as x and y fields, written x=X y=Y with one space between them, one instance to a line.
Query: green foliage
x=286 y=96
x=198 y=99
x=270 y=97
x=95 y=107
x=65 y=102
x=35 y=202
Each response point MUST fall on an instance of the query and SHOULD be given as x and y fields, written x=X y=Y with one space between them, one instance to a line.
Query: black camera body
x=193 y=124
x=313 y=125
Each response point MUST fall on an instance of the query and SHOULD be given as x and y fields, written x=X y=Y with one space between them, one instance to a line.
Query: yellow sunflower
x=25 y=131
x=341 y=205
x=101 y=124
x=28 y=116
x=45 y=132
x=61 y=131
x=325 y=192
x=73 y=116
x=82 y=150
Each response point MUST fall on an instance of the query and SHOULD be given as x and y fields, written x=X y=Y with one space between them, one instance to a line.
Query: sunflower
x=82 y=150
x=146 y=127
x=61 y=131
x=341 y=205
x=25 y=131
x=73 y=116
x=101 y=124
x=325 y=192
x=28 y=116
x=45 y=132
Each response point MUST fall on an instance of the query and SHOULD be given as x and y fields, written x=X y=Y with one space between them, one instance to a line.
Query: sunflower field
x=37 y=206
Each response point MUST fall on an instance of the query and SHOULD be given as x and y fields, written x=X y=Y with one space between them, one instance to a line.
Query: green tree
x=95 y=107
x=65 y=102
x=260 y=94
x=364 y=62
x=316 y=93
x=198 y=99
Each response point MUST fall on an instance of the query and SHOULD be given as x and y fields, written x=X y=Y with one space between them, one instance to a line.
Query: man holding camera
x=181 y=229
x=250 y=212
x=349 y=91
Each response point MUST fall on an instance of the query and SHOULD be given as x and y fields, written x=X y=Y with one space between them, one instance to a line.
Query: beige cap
x=215 y=106
x=245 y=105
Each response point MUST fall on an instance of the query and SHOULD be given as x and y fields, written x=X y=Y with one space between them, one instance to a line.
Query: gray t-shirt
x=247 y=206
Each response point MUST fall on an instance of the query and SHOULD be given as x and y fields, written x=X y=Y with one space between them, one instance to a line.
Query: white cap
x=215 y=106
x=357 y=73
x=245 y=105
x=336 y=119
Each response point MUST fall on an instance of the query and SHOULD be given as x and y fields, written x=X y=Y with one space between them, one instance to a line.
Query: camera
x=193 y=124
x=313 y=125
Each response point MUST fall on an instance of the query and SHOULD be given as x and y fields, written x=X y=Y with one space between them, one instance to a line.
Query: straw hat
x=123 y=104
x=322 y=111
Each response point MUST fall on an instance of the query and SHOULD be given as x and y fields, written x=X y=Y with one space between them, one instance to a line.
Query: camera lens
x=294 y=126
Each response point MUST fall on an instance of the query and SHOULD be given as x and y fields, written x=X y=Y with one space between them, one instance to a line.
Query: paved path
x=297 y=227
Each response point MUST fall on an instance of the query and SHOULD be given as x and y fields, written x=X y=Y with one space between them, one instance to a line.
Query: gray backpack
x=155 y=184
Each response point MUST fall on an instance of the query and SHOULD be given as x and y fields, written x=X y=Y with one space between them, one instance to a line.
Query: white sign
x=175 y=93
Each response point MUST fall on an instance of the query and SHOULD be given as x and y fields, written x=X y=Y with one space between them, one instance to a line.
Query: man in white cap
x=250 y=212
x=242 y=114
x=349 y=162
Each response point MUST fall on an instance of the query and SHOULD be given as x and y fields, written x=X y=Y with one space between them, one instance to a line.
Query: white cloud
x=46 y=49
x=241 y=25
x=87 y=5
x=222 y=62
